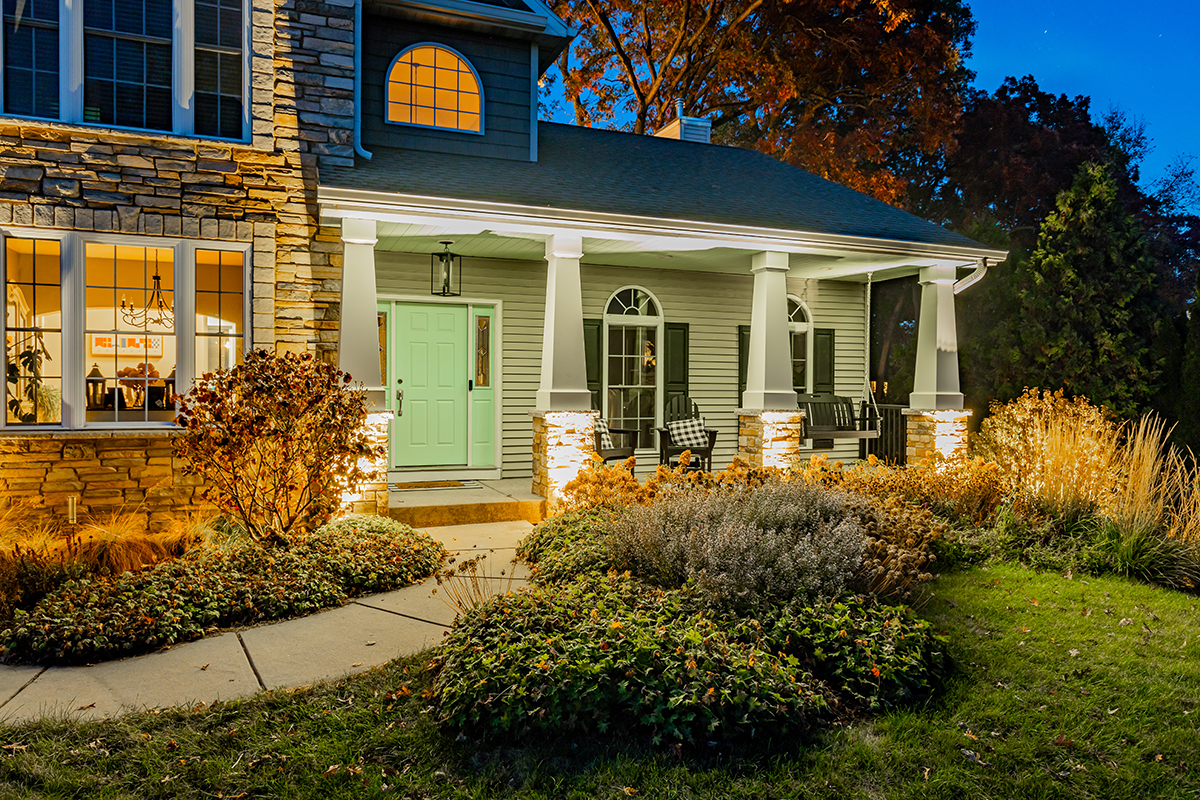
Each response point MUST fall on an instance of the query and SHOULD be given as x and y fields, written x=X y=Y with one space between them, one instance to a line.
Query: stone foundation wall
x=563 y=444
x=104 y=472
x=770 y=438
x=933 y=435
x=372 y=496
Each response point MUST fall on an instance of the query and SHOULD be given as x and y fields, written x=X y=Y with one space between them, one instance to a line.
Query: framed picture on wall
x=125 y=344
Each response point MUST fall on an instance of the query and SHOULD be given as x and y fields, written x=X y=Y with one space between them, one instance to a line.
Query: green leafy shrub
x=567 y=545
x=277 y=439
x=873 y=656
x=98 y=618
x=603 y=652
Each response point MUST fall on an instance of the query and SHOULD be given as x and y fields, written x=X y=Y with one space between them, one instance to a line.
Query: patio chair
x=606 y=447
x=685 y=431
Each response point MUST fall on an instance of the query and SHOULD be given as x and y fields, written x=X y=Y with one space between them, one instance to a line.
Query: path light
x=445 y=272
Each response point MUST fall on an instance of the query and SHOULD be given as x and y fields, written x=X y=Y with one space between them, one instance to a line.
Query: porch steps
x=507 y=500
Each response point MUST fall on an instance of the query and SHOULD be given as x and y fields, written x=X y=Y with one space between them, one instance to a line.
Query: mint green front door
x=432 y=358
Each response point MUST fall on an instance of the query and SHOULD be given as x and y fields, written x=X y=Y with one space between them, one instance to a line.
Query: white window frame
x=628 y=321
x=183 y=72
x=74 y=306
x=806 y=328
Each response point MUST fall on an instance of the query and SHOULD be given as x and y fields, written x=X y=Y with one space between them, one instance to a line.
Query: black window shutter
x=675 y=379
x=593 y=330
x=743 y=359
x=823 y=361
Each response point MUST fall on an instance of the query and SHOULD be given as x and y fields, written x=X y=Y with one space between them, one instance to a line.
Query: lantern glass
x=445 y=274
x=97 y=387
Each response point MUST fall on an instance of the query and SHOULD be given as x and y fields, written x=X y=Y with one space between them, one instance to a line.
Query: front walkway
x=365 y=633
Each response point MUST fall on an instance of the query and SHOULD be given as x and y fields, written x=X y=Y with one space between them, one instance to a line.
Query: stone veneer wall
x=935 y=434
x=770 y=438
x=262 y=192
x=563 y=444
x=107 y=472
x=372 y=496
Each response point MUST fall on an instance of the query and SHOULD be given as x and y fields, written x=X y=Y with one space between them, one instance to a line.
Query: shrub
x=96 y=618
x=1060 y=456
x=571 y=544
x=599 y=653
x=277 y=439
x=873 y=656
x=744 y=547
x=901 y=542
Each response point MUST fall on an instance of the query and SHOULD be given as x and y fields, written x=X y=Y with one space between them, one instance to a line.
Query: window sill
x=161 y=432
x=116 y=130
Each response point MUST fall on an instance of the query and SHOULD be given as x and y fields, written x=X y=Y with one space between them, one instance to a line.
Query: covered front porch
x=561 y=317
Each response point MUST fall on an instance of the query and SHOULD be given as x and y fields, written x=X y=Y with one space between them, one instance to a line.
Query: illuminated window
x=633 y=326
x=435 y=87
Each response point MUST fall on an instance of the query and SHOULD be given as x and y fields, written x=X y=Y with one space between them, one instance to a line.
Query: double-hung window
x=633 y=325
x=103 y=331
x=159 y=65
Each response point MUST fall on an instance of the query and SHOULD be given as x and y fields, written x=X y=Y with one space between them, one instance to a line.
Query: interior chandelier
x=157 y=312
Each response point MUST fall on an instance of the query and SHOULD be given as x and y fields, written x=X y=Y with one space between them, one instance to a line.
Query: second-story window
x=434 y=87
x=160 y=65
x=31 y=57
x=127 y=63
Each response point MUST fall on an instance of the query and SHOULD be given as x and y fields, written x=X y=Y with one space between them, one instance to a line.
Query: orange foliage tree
x=858 y=91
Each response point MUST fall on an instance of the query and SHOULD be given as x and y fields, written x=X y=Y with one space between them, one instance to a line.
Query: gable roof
x=589 y=169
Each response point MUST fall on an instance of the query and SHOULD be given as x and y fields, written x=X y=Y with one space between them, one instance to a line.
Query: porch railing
x=892 y=444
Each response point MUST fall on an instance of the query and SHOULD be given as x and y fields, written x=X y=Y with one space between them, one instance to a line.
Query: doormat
x=424 y=486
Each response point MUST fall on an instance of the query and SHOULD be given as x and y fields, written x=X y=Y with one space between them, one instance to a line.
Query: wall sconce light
x=445 y=272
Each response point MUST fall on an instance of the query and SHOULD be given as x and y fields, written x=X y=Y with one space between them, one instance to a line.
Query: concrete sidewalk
x=365 y=633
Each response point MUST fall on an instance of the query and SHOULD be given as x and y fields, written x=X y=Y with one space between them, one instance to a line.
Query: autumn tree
x=848 y=89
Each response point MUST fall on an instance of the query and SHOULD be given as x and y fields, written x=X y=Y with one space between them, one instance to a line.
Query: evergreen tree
x=1188 y=432
x=1084 y=312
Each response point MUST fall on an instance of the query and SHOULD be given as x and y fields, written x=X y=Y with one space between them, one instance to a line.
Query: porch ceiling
x=650 y=253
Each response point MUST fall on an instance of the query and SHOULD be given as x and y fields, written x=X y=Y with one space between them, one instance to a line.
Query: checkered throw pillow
x=606 y=442
x=688 y=433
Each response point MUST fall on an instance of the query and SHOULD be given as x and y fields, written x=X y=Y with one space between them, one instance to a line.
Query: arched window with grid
x=433 y=86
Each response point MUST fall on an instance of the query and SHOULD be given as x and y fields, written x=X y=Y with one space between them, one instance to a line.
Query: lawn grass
x=1053 y=695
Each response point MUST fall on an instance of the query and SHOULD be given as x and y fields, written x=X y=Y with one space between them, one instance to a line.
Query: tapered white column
x=563 y=385
x=769 y=366
x=935 y=384
x=358 y=328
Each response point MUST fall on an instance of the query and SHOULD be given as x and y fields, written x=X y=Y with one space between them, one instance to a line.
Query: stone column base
x=934 y=435
x=372 y=494
x=770 y=438
x=563 y=445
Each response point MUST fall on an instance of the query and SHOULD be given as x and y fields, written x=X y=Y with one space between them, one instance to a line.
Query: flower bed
x=98 y=618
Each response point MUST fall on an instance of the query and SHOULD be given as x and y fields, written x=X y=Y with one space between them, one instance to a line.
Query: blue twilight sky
x=1143 y=56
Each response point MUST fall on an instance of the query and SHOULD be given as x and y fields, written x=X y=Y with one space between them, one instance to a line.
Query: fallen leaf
x=973 y=757
x=1125 y=621
x=85 y=708
x=14 y=747
x=359 y=664
x=1112 y=711
x=1072 y=652
x=333 y=768
x=1061 y=741
x=204 y=667
x=370 y=644
x=629 y=790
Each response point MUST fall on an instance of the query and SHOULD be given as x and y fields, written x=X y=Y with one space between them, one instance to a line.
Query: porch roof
x=611 y=172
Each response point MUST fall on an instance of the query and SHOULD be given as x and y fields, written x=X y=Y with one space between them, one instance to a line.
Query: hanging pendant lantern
x=445 y=272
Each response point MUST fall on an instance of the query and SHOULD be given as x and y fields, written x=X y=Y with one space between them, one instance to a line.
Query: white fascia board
x=508 y=17
x=504 y=217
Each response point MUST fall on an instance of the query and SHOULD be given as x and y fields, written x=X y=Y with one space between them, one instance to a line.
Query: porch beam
x=358 y=327
x=769 y=366
x=935 y=384
x=563 y=384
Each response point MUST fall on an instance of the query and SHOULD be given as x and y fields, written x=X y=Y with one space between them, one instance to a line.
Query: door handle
x=399 y=398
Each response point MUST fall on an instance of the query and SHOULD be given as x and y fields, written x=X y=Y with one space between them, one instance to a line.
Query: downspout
x=975 y=277
x=358 y=25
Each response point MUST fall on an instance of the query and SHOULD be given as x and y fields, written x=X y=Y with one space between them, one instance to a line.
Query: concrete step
x=507 y=500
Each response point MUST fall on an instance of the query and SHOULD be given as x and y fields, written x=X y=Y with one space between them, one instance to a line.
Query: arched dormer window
x=800 y=325
x=633 y=330
x=435 y=87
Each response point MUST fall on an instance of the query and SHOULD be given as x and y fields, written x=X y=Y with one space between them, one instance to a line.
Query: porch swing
x=828 y=416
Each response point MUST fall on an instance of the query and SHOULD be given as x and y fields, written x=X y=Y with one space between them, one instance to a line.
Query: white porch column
x=358 y=328
x=563 y=384
x=769 y=365
x=935 y=384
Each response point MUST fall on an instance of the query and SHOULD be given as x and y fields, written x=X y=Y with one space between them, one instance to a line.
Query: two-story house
x=368 y=180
